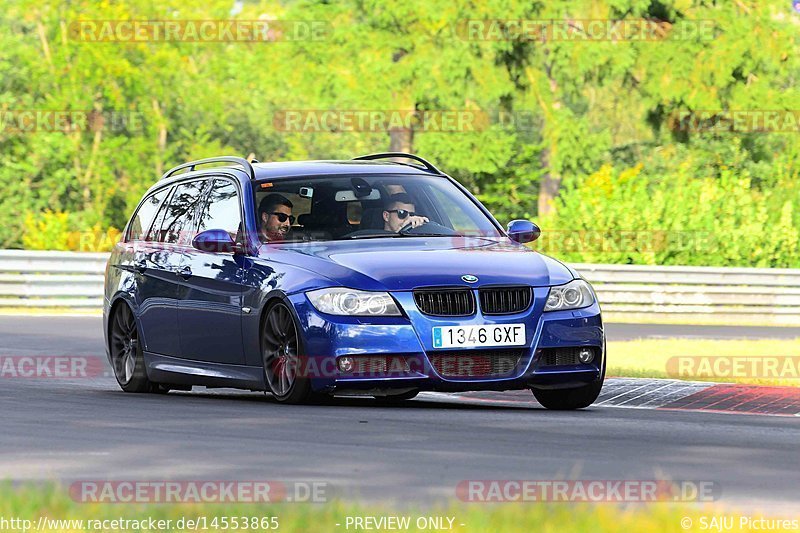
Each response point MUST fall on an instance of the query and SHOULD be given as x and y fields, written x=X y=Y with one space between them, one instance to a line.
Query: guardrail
x=720 y=295
x=33 y=279
x=43 y=279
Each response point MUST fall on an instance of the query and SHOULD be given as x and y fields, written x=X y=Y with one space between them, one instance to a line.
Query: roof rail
x=388 y=155
x=244 y=163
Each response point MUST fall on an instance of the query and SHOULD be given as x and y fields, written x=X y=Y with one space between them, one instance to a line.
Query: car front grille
x=445 y=302
x=476 y=363
x=505 y=300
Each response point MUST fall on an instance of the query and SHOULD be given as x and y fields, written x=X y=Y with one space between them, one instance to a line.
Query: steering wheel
x=407 y=228
x=428 y=228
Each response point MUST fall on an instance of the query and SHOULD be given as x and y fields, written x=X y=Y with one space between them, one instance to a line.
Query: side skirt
x=173 y=370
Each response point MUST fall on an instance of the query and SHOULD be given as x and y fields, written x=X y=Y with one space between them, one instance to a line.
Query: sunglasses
x=283 y=217
x=402 y=213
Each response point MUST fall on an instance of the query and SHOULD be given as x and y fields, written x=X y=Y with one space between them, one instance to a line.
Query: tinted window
x=181 y=215
x=141 y=221
x=155 y=230
x=221 y=211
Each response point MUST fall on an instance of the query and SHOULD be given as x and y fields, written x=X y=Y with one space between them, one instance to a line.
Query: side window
x=144 y=216
x=221 y=210
x=181 y=215
x=155 y=230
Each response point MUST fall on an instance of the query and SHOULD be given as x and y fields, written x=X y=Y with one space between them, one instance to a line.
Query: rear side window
x=144 y=216
x=221 y=211
x=180 y=218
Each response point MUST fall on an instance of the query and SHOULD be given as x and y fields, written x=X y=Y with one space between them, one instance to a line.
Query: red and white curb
x=668 y=394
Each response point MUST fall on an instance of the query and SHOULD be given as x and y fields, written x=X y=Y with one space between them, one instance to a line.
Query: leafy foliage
x=599 y=114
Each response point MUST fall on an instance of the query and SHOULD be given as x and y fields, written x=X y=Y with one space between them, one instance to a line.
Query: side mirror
x=523 y=231
x=214 y=241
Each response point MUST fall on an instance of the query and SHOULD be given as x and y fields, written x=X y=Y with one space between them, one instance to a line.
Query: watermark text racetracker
x=184 y=523
x=15 y=121
x=198 y=31
x=198 y=491
x=733 y=367
x=592 y=491
x=585 y=30
x=736 y=121
x=52 y=366
x=381 y=120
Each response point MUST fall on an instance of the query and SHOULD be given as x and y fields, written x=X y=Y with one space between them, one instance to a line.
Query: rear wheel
x=280 y=348
x=127 y=359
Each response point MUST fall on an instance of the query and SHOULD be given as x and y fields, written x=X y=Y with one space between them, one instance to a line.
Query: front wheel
x=568 y=399
x=280 y=348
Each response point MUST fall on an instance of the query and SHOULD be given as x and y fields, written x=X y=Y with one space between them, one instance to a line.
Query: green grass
x=651 y=358
x=53 y=501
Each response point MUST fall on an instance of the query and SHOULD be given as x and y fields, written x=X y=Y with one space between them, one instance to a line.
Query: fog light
x=586 y=355
x=346 y=364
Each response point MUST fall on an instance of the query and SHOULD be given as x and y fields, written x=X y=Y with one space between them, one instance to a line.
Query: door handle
x=140 y=265
x=185 y=272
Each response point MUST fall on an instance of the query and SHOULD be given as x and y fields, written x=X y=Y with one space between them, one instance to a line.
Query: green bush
x=626 y=216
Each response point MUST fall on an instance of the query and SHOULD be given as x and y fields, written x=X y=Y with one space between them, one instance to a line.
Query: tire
x=280 y=354
x=569 y=399
x=397 y=398
x=127 y=359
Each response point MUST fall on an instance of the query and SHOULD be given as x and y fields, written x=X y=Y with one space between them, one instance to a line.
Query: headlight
x=573 y=295
x=351 y=302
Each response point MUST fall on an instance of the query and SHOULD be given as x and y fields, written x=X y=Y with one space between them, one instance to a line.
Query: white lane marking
x=673 y=396
x=646 y=393
x=624 y=393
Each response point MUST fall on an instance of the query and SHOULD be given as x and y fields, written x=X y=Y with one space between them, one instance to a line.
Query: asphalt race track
x=78 y=429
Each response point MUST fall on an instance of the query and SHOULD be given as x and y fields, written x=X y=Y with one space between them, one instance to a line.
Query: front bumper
x=327 y=337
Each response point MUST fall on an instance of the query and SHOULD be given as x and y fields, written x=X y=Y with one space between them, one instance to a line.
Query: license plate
x=467 y=336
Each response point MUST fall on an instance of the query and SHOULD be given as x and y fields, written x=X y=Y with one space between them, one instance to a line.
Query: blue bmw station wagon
x=363 y=277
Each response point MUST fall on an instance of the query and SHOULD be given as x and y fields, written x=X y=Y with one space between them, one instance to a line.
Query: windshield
x=364 y=207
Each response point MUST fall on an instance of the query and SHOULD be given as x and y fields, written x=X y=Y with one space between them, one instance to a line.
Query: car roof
x=288 y=169
x=292 y=169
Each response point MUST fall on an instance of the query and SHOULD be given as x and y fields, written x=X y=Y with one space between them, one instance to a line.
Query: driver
x=398 y=213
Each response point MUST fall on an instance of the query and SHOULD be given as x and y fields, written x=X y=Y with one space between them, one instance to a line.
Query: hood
x=398 y=264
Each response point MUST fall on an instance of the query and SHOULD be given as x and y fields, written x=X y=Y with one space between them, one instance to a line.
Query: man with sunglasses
x=398 y=213
x=275 y=214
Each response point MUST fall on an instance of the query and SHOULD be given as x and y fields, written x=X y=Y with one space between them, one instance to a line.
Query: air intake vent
x=505 y=300
x=475 y=363
x=561 y=356
x=376 y=365
x=453 y=302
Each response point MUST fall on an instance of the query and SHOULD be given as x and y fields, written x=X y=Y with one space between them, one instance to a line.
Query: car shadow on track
x=440 y=402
